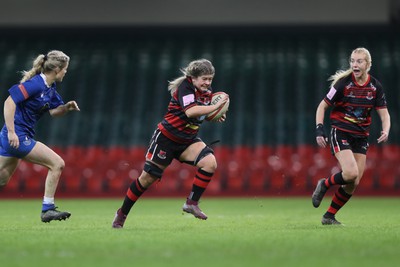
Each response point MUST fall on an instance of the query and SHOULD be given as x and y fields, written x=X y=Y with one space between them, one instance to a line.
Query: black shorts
x=163 y=150
x=341 y=140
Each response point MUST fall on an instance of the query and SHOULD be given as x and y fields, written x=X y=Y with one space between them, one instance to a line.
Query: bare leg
x=206 y=168
x=43 y=155
x=360 y=160
x=353 y=166
x=8 y=165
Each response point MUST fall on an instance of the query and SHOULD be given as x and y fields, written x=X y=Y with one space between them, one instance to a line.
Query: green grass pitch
x=239 y=232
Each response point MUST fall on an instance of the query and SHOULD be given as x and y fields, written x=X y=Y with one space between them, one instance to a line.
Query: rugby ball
x=217 y=97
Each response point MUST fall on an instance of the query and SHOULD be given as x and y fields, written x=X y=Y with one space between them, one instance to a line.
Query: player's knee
x=206 y=159
x=350 y=175
x=208 y=163
x=153 y=169
x=146 y=180
x=58 y=164
x=5 y=176
x=3 y=182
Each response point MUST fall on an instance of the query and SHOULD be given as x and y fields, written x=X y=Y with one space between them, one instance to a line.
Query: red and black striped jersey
x=176 y=125
x=352 y=104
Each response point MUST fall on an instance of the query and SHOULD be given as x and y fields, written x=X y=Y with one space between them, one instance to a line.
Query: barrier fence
x=242 y=171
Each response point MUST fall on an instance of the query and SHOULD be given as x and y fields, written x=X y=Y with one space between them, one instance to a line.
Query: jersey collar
x=361 y=85
x=44 y=80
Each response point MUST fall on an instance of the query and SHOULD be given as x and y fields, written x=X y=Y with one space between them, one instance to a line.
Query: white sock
x=48 y=200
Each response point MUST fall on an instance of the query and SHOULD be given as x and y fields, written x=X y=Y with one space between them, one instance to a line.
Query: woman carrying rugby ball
x=176 y=137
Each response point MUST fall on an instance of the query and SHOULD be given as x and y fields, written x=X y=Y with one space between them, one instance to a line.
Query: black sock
x=132 y=195
x=200 y=183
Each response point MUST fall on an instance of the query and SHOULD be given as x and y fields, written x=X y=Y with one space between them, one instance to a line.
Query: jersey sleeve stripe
x=23 y=91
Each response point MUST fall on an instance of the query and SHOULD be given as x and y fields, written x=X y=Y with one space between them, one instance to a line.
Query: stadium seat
x=386 y=177
x=15 y=183
x=369 y=180
x=34 y=177
x=71 y=180
x=257 y=179
x=94 y=180
x=238 y=168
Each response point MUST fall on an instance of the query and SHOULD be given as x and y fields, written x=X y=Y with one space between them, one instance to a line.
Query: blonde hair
x=195 y=69
x=344 y=73
x=45 y=63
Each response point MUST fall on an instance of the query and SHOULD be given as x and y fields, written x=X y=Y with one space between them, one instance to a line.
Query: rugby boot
x=319 y=193
x=54 y=214
x=119 y=219
x=192 y=207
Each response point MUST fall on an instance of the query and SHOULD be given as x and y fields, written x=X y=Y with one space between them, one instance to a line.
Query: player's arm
x=9 y=113
x=319 y=122
x=385 y=119
x=64 y=109
x=197 y=111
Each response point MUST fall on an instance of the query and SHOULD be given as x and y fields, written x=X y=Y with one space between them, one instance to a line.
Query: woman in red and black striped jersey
x=354 y=93
x=176 y=138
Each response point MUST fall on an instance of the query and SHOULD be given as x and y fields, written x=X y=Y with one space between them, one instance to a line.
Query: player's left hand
x=384 y=137
x=72 y=105
x=222 y=119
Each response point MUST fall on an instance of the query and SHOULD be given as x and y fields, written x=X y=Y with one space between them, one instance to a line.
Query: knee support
x=153 y=169
x=204 y=152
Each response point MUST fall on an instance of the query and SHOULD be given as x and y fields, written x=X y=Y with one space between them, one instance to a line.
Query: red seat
x=236 y=174
x=15 y=182
x=93 y=179
x=257 y=180
x=33 y=177
x=386 y=176
x=240 y=167
x=259 y=168
x=70 y=180
x=368 y=181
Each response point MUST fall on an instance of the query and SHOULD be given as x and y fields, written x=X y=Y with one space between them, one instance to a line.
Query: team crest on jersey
x=162 y=154
x=205 y=100
x=369 y=96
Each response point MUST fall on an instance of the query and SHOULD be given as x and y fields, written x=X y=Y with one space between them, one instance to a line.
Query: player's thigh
x=45 y=156
x=361 y=160
x=347 y=162
x=202 y=160
x=192 y=151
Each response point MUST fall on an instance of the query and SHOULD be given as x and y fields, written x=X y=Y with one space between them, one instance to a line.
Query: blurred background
x=273 y=57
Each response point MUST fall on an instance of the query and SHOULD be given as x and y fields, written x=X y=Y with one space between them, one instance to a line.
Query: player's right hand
x=13 y=140
x=321 y=138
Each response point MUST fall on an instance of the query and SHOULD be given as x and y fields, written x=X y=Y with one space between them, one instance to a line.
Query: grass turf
x=239 y=232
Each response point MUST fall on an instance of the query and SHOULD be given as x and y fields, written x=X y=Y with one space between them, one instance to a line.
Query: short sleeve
x=380 y=97
x=56 y=101
x=186 y=97
x=336 y=92
x=21 y=92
